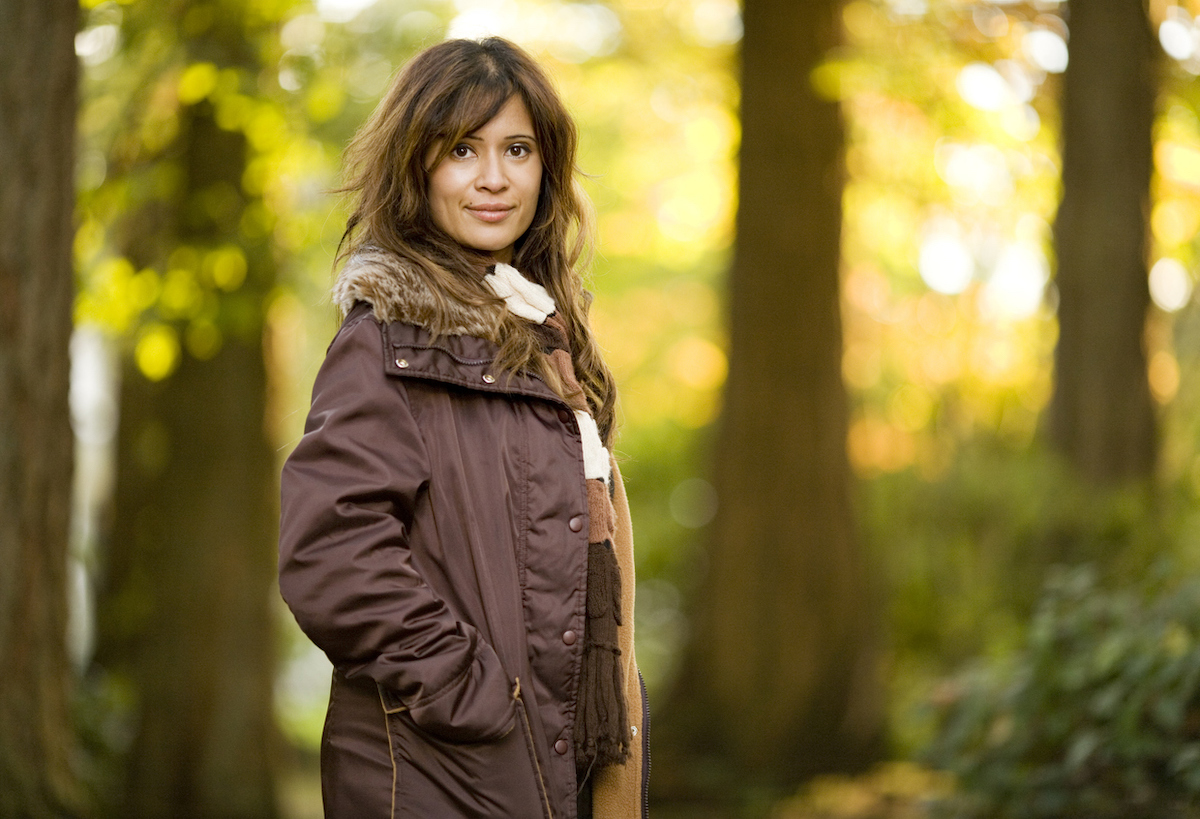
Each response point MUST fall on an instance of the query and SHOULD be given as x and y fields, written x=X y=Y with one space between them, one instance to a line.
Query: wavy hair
x=445 y=93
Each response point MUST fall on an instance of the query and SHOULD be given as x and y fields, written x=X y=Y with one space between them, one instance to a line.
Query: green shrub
x=1097 y=715
x=964 y=556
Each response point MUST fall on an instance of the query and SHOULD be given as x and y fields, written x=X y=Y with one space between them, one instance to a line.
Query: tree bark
x=781 y=677
x=38 y=82
x=185 y=603
x=1102 y=416
x=189 y=617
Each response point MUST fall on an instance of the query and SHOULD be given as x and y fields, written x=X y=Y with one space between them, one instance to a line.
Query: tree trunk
x=195 y=540
x=38 y=81
x=185 y=606
x=1101 y=415
x=781 y=678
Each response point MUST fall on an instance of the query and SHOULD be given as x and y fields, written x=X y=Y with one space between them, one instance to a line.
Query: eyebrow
x=510 y=136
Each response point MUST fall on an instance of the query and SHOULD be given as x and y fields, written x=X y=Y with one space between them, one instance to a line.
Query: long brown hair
x=445 y=93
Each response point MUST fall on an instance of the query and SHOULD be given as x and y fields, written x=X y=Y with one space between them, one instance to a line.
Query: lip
x=490 y=213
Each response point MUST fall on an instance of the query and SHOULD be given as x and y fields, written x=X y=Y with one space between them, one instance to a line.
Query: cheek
x=437 y=187
x=441 y=197
x=534 y=185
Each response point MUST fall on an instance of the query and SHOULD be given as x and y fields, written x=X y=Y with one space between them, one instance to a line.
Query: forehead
x=512 y=119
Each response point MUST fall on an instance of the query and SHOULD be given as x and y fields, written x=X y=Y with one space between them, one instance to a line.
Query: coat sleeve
x=348 y=491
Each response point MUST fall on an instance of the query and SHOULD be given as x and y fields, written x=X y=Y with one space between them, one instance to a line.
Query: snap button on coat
x=575 y=524
x=569 y=637
x=560 y=747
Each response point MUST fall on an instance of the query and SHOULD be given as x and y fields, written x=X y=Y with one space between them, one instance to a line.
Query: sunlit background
x=947 y=269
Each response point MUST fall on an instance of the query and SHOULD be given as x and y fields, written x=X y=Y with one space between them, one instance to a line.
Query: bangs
x=469 y=110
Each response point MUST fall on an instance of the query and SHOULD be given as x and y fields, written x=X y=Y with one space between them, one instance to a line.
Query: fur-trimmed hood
x=396 y=292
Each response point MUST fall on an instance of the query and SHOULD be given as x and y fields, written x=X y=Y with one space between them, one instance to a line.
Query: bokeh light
x=1170 y=285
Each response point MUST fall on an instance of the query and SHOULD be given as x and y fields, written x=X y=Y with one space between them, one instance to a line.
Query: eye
x=519 y=150
x=461 y=151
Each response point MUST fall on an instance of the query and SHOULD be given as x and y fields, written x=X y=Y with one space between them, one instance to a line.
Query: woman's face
x=484 y=193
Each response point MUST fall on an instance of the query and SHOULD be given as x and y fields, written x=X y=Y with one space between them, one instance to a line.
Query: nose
x=491 y=174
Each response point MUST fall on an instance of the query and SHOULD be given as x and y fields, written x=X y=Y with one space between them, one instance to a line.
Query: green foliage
x=964 y=554
x=1098 y=713
x=971 y=545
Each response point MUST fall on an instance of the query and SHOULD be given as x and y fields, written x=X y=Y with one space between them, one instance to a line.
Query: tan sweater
x=617 y=790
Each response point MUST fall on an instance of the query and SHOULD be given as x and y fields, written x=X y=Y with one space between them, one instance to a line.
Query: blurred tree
x=1101 y=415
x=781 y=678
x=185 y=615
x=38 y=80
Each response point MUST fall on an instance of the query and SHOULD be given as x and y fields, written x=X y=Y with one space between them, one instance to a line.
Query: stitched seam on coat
x=387 y=729
x=506 y=387
x=526 y=465
x=473 y=384
x=572 y=709
x=404 y=345
x=537 y=768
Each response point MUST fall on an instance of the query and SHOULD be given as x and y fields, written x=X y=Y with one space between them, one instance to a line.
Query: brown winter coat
x=434 y=544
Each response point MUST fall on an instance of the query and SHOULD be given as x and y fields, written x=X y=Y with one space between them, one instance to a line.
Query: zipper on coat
x=537 y=767
x=645 y=749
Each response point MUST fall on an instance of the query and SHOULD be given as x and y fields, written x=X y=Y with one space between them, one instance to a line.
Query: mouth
x=490 y=213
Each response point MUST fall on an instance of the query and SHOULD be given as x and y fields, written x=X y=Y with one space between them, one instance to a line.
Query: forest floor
x=894 y=790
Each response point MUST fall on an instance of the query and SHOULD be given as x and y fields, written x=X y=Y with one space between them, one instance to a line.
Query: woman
x=455 y=535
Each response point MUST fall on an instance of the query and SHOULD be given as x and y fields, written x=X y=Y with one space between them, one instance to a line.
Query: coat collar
x=402 y=302
x=397 y=293
x=461 y=360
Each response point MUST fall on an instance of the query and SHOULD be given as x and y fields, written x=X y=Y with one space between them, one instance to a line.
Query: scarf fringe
x=602 y=735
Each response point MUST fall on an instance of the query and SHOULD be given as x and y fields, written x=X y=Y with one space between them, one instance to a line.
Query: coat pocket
x=475 y=706
x=434 y=777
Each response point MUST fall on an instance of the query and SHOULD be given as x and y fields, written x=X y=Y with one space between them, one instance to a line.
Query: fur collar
x=398 y=293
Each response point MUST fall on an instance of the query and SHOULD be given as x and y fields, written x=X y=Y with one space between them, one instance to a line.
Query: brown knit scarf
x=602 y=735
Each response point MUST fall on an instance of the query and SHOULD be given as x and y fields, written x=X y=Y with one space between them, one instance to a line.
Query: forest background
x=899 y=294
